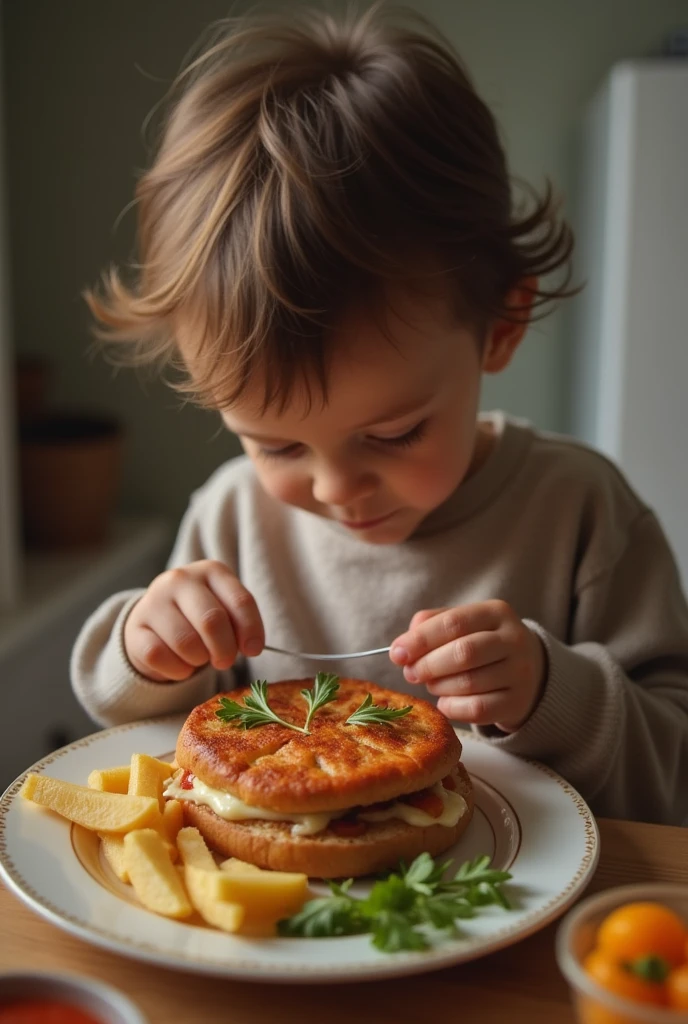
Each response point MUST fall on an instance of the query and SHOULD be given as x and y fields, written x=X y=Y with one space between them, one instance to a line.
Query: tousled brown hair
x=305 y=163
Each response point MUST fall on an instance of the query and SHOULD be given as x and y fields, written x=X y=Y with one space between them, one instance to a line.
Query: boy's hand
x=191 y=616
x=483 y=663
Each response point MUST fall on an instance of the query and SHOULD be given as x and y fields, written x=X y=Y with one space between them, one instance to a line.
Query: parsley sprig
x=256 y=711
x=400 y=905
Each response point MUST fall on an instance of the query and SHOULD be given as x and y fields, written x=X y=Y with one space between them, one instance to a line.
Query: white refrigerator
x=630 y=339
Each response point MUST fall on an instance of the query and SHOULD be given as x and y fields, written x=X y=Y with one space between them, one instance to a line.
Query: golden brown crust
x=270 y=844
x=337 y=766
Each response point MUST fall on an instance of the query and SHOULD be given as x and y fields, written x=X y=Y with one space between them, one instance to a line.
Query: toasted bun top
x=336 y=766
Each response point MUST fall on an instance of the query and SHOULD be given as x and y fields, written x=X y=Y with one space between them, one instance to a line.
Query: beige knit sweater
x=545 y=524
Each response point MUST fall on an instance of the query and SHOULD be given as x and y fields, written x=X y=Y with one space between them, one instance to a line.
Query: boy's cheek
x=284 y=486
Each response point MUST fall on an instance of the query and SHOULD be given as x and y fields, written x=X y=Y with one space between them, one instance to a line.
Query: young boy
x=331 y=254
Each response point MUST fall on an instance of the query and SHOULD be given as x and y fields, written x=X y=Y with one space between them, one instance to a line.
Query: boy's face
x=398 y=433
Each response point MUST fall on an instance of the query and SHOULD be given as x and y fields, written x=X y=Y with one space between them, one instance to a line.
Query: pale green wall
x=81 y=75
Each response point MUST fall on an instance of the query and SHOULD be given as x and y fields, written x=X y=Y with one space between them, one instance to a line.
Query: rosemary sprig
x=401 y=904
x=324 y=691
x=372 y=714
x=254 y=711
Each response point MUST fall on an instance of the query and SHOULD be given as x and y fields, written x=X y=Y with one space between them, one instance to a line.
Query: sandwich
x=332 y=777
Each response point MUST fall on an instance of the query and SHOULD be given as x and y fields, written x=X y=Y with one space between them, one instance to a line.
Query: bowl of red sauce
x=29 y=997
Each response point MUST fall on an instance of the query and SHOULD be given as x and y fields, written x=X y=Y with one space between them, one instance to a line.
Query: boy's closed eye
x=405 y=440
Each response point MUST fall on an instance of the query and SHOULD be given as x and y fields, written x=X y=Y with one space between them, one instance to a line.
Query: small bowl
x=576 y=937
x=105 y=1004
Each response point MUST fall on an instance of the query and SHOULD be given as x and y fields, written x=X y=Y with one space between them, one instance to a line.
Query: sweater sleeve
x=613 y=718
x=105 y=683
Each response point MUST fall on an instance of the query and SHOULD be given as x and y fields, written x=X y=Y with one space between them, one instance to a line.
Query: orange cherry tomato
x=643 y=929
x=613 y=977
x=677 y=988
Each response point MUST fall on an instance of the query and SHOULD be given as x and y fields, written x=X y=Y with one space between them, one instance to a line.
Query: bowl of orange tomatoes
x=624 y=952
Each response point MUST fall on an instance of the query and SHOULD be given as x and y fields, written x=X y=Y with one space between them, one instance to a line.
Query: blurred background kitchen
x=96 y=466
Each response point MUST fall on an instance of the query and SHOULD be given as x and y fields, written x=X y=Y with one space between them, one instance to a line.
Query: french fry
x=205 y=883
x=116 y=780
x=266 y=896
x=113 y=849
x=146 y=778
x=234 y=866
x=204 y=889
x=172 y=819
x=193 y=850
x=147 y=775
x=204 y=886
x=112 y=780
x=95 y=809
x=154 y=878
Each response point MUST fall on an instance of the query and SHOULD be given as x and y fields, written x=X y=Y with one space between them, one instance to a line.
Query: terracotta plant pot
x=70 y=471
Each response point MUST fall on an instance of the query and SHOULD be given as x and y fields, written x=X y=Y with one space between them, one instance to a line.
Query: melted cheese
x=454 y=806
x=231 y=808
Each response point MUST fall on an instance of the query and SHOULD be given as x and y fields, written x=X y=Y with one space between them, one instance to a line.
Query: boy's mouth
x=365 y=524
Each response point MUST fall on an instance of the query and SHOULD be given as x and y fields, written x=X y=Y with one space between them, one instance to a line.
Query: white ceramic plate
x=527 y=818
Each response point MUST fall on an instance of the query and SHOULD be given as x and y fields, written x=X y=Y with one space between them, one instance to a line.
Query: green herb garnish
x=256 y=711
x=324 y=691
x=399 y=905
x=372 y=714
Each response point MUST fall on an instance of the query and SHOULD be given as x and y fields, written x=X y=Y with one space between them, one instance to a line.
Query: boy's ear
x=504 y=336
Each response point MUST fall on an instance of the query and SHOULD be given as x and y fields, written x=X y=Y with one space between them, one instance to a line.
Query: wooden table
x=518 y=984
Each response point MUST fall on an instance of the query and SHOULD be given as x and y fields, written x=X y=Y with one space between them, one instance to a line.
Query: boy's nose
x=335 y=485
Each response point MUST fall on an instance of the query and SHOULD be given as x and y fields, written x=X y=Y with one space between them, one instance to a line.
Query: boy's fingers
x=420 y=617
x=152 y=658
x=478 y=709
x=399 y=652
x=242 y=609
x=464 y=657
x=211 y=621
x=174 y=629
x=483 y=680
x=444 y=627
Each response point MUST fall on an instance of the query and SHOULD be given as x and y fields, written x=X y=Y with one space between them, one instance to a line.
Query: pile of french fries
x=169 y=867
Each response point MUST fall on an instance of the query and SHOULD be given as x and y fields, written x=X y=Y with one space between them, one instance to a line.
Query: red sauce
x=44 y=1011
x=449 y=782
x=425 y=800
x=187 y=779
